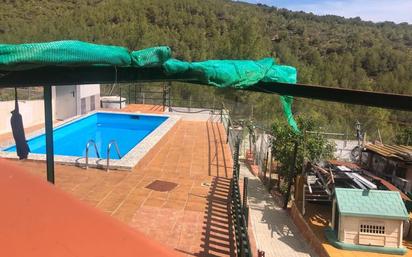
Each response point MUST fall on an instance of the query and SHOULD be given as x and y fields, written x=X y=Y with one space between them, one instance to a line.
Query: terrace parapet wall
x=307 y=232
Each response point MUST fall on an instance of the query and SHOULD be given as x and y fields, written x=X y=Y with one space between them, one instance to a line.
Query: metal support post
x=221 y=115
x=265 y=168
x=128 y=94
x=169 y=89
x=291 y=174
x=228 y=129
x=245 y=205
x=245 y=184
x=135 y=92
x=120 y=96
x=236 y=160
x=303 y=199
x=48 y=120
x=164 y=98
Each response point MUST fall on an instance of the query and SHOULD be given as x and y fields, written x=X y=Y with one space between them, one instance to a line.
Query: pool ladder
x=109 y=146
x=90 y=142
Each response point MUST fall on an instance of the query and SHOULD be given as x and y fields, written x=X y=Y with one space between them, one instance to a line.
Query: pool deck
x=272 y=227
x=127 y=162
x=186 y=209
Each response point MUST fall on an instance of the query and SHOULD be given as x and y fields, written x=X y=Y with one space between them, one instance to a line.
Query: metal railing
x=239 y=208
x=162 y=96
x=109 y=146
x=259 y=149
x=91 y=142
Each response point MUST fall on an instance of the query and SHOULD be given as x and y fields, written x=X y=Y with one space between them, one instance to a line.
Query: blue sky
x=370 y=10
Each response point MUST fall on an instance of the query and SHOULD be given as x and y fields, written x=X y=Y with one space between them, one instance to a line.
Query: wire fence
x=179 y=99
x=259 y=145
x=23 y=93
x=238 y=200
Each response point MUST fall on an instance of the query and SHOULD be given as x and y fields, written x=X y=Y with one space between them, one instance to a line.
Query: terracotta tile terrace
x=177 y=194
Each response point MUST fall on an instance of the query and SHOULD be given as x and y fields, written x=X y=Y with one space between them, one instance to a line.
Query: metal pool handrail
x=87 y=151
x=112 y=142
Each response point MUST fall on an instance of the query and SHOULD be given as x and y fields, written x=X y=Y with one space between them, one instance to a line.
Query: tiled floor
x=191 y=218
x=143 y=108
x=272 y=226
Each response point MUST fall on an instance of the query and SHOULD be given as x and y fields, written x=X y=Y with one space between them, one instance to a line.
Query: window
x=372 y=229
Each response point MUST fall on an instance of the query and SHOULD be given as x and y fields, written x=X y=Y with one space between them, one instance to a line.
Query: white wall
x=349 y=230
x=65 y=102
x=89 y=90
x=31 y=111
x=344 y=148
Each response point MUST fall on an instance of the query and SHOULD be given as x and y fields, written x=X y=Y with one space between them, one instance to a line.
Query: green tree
x=312 y=146
x=404 y=137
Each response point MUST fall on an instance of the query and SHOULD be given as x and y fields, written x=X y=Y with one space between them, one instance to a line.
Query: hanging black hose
x=16 y=121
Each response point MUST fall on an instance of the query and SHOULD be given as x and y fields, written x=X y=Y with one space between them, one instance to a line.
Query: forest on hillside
x=326 y=50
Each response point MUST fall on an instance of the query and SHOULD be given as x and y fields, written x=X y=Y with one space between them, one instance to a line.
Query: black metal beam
x=104 y=74
x=56 y=75
x=48 y=120
x=341 y=95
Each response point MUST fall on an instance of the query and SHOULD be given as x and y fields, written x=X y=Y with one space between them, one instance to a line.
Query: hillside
x=327 y=50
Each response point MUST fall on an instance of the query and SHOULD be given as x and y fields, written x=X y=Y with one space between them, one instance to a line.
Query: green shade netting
x=151 y=57
x=240 y=74
x=68 y=52
x=220 y=73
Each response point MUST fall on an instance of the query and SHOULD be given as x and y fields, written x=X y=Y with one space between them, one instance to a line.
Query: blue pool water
x=71 y=139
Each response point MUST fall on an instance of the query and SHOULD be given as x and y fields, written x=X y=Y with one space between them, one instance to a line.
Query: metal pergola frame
x=60 y=75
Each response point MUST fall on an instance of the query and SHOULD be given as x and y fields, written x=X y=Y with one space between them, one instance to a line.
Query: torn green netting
x=220 y=73
x=284 y=74
x=151 y=57
x=240 y=74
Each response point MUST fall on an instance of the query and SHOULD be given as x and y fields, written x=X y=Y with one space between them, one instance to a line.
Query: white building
x=68 y=101
x=74 y=100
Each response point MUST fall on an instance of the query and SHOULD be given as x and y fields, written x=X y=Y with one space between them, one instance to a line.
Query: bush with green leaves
x=312 y=146
x=404 y=137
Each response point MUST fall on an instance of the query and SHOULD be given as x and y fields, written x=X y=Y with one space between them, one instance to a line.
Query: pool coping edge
x=127 y=162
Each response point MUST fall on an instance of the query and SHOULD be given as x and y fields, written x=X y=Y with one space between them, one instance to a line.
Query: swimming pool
x=128 y=130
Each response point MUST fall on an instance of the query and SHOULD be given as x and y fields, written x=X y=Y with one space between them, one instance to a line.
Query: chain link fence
x=23 y=93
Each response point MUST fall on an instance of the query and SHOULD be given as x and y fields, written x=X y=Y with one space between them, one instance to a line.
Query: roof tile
x=371 y=203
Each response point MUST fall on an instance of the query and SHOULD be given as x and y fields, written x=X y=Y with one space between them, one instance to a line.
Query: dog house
x=368 y=220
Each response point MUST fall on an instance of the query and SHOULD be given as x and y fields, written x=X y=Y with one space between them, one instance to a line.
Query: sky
x=370 y=10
